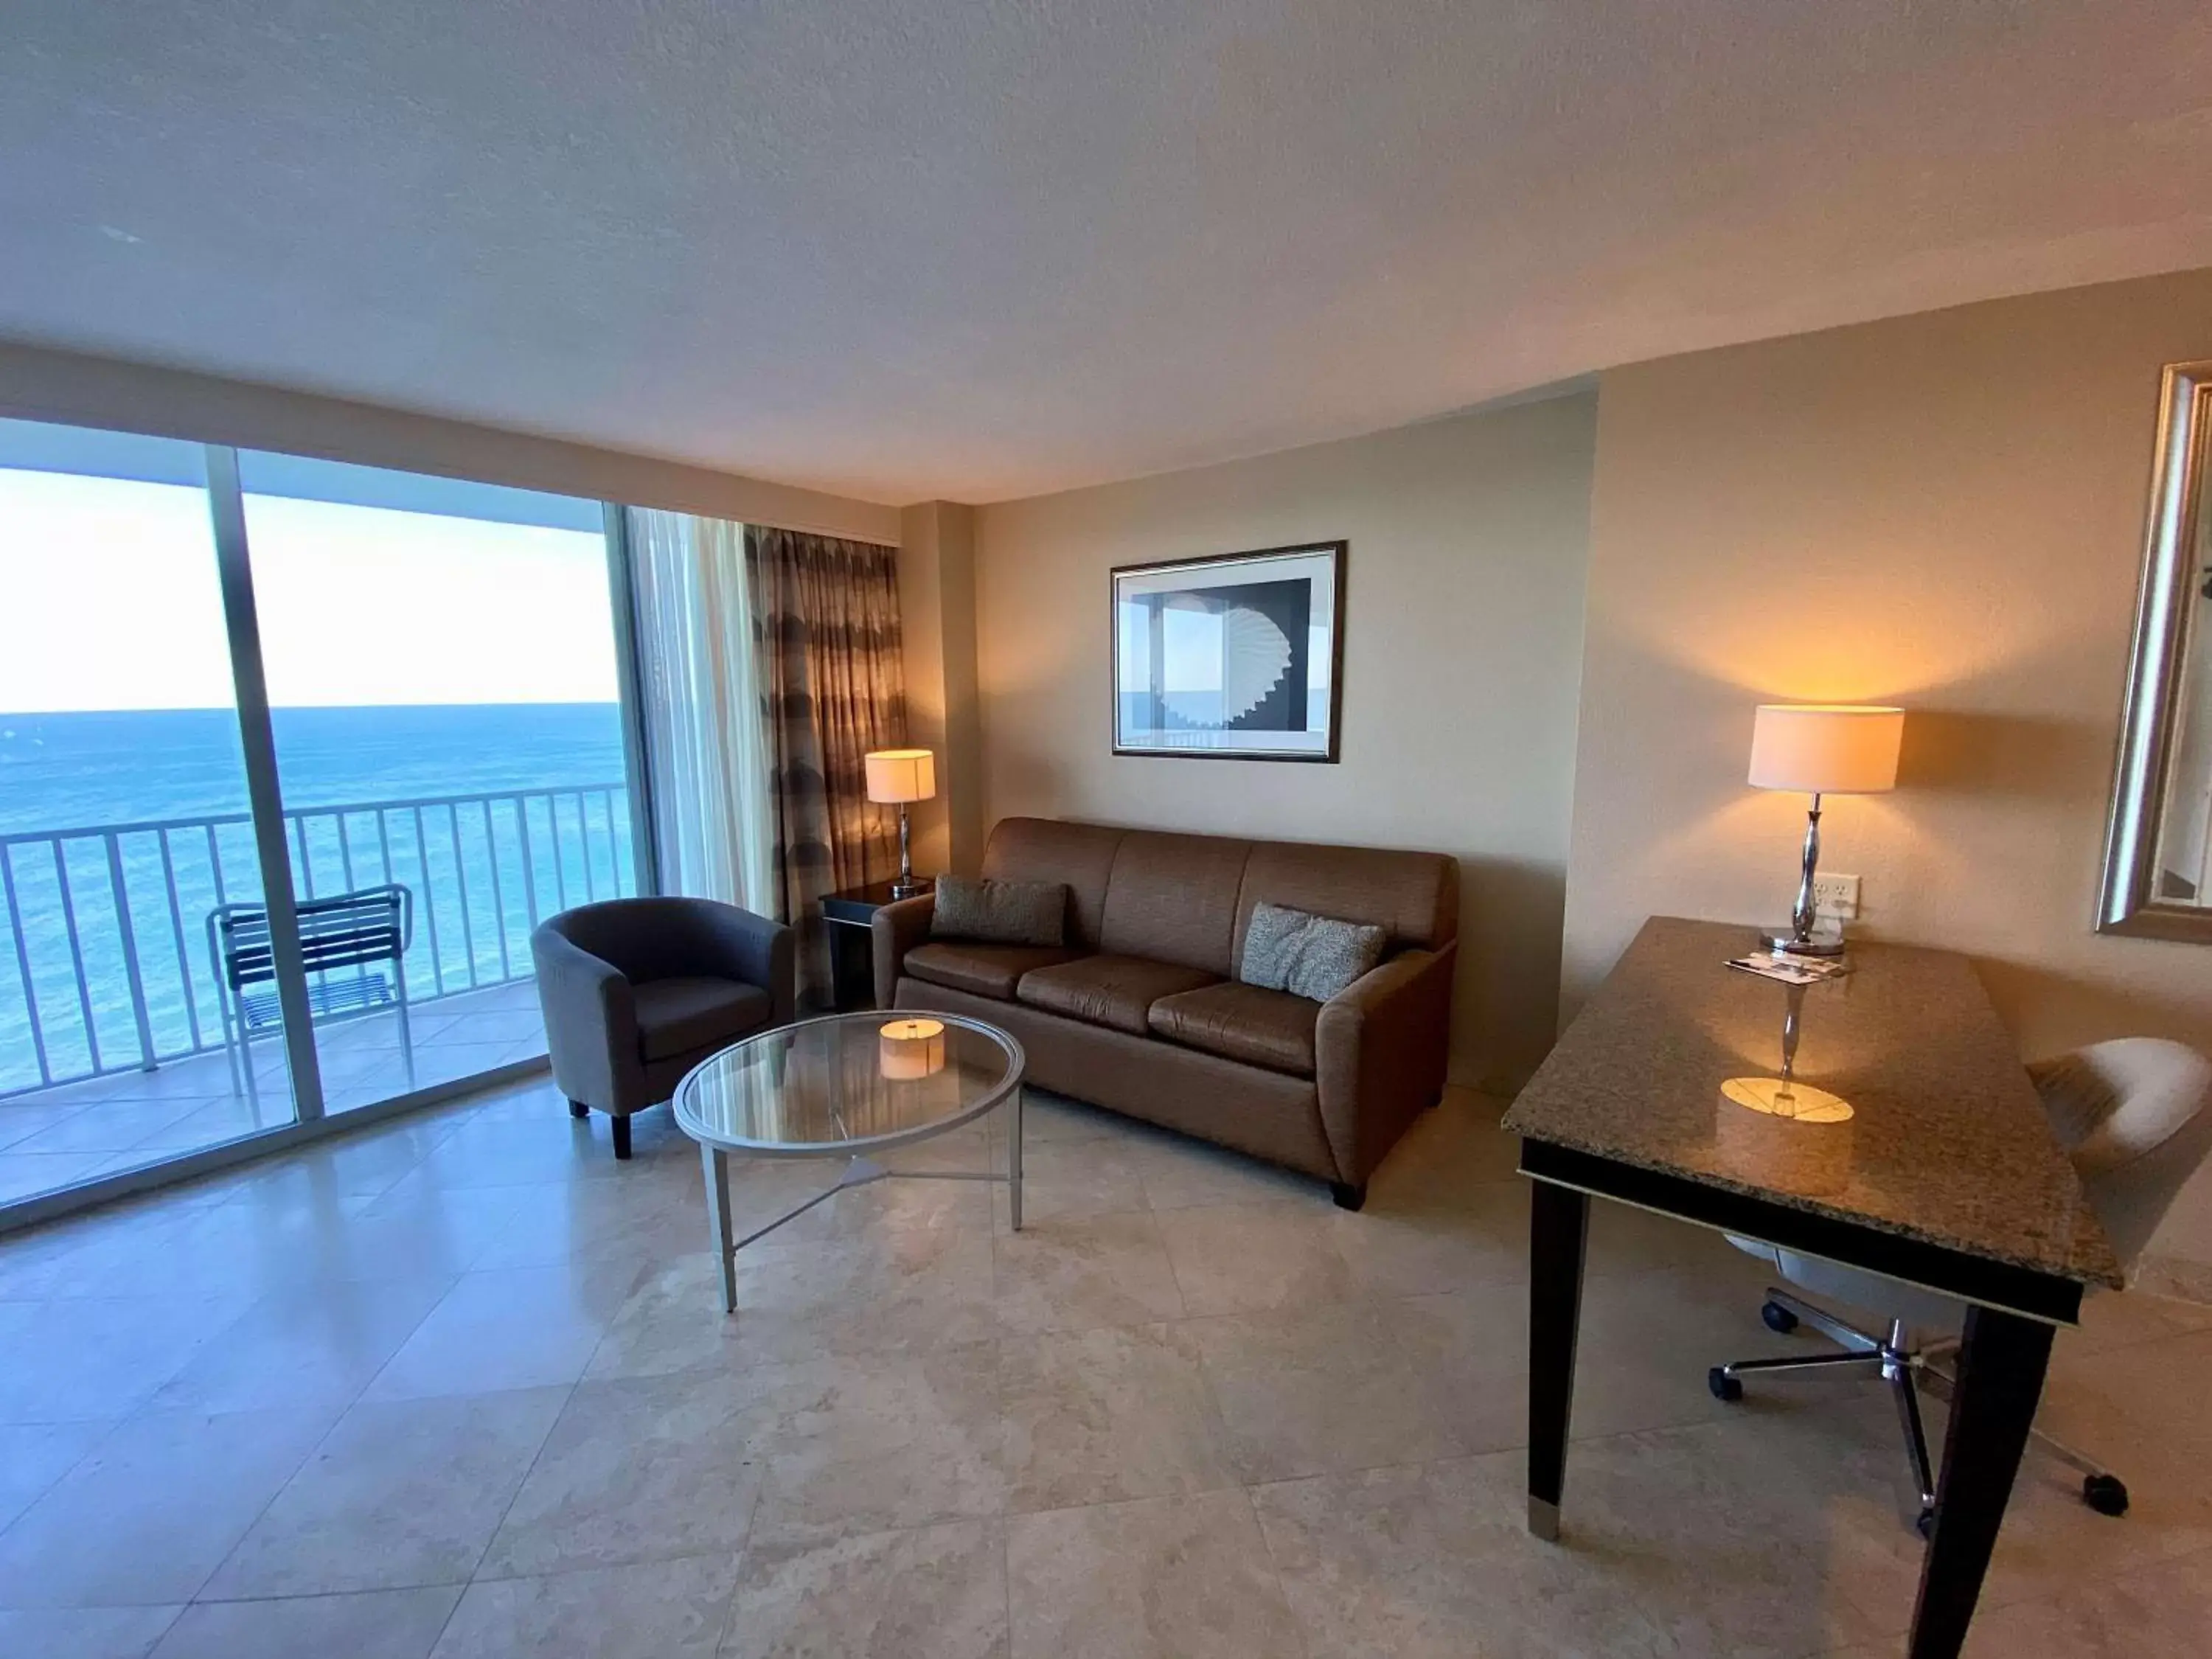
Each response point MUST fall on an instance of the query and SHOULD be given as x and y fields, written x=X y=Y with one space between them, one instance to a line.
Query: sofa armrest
x=591 y=1021
x=896 y=929
x=757 y=950
x=1380 y=1049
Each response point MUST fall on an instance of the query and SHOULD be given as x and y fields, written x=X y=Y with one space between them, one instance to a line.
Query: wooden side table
x=850 y=916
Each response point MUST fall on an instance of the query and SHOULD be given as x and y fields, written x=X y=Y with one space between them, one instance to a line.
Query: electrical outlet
x=1836 y=896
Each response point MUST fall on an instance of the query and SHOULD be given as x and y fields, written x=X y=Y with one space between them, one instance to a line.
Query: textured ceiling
x=974 y=250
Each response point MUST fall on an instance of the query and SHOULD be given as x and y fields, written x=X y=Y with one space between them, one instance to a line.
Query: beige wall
x=937 y=624
x=100 y=392
x=1464 y=616
x=1944 y=511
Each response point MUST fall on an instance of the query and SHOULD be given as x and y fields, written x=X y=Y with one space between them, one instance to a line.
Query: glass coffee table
x=847 y=1086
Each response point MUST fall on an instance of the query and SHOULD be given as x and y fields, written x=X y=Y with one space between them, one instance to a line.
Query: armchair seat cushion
x=1260 y=1027
x=676 y=1016
x=1109 y=990
x=983 y=970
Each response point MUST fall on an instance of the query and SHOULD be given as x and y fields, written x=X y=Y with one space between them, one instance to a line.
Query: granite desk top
x=1947 y=1143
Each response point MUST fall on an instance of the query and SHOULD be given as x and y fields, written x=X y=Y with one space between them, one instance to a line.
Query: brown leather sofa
x=1141 y=1010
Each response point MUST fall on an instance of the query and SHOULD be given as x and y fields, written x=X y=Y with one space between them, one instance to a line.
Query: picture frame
x=1233 y=656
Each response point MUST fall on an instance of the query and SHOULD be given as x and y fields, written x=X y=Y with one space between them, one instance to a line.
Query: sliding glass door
x=293 y=757
x=440 y=664
x=126 y=831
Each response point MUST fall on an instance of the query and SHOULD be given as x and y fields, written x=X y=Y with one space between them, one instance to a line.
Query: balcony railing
x=107 y=968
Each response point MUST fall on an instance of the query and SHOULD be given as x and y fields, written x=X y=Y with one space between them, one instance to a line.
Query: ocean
x=475 y=871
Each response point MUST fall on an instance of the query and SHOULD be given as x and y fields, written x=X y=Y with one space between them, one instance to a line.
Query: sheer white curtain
x=705 y=744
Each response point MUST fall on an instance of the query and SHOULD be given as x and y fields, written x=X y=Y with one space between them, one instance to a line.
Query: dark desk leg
x=2001 y=1368
x=1558 y=1228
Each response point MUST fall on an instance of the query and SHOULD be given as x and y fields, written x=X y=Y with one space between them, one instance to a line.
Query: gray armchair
x=638 y=991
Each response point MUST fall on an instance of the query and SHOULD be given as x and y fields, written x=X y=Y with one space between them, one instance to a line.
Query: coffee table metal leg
x=1014 y=1157
x=717 y=1163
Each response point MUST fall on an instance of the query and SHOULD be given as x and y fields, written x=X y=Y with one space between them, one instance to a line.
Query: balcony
x=119 y=1039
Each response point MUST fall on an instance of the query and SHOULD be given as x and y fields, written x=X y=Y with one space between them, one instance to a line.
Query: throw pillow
x=1000 y=912
x=1308 y=955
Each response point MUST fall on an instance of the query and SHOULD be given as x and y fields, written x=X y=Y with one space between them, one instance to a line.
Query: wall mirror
x=2158 y=854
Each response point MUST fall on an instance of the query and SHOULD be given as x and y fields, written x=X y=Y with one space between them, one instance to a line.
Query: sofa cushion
x=1260 y=1027
x=675 y=1016
x=1267 y=1113
x=1107 y=990
x=1308 y=955
x=1079 y=856
x=985 y=970
x=1000 y=912
x=1173 y=898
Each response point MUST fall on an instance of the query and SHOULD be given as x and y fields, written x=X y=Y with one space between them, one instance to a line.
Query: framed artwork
x=1235 y=658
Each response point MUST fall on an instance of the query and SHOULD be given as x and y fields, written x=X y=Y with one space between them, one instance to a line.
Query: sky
x=109 y=600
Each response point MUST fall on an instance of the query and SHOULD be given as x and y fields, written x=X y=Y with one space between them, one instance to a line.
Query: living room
x=1094 y=1152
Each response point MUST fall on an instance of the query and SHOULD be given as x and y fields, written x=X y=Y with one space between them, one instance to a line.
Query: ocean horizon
x=82 y=770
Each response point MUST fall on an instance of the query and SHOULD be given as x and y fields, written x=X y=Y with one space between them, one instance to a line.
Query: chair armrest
x=757 y=950
x=590 y=1020
x=1380 y=1049
x=896 y=929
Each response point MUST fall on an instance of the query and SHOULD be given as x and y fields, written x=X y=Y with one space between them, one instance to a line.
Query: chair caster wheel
x=1924 y=1524
x=1779 y=1319
x=1724 y=1386
x=2105 y=1494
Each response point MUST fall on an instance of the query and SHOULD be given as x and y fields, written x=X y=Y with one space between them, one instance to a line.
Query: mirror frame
x=2180 y=476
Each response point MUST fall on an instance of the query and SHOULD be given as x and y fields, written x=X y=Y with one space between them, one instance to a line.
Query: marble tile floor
x=54 y=1138
x=457 y=1385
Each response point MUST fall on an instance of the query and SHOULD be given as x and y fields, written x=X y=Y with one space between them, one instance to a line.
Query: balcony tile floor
x=456 y=1385
x=57 y=1137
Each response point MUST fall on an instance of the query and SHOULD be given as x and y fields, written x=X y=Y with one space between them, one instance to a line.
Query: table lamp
x=1821 y=749
x=896 y=777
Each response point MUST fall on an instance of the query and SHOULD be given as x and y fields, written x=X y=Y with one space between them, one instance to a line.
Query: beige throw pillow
x=1308 y=955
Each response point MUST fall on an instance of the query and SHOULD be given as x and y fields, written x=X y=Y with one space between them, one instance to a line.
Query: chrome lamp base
x=907 y=884
x=1798 y=939
x=1785 y=939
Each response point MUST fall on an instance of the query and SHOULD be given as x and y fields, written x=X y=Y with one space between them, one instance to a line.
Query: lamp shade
x=901 y=774
x=1826 y=749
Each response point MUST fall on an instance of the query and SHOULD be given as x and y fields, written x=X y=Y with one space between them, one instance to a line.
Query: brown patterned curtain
x=827 y=652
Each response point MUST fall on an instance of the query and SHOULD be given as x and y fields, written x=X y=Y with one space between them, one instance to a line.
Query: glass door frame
x=226 y=499
x=256 y=736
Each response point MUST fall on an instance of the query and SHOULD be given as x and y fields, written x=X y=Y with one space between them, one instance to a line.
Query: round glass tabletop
x=845 y=1083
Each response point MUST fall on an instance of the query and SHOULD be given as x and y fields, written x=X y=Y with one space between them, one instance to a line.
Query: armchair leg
x=577 y=1108
x=622 y=1134
x=1347 y=1195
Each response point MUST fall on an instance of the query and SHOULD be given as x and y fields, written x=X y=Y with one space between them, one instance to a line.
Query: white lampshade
x=901 y=774
x=1826 y=749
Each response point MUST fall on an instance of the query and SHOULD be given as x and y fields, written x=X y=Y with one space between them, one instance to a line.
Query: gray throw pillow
x=1308 y=955
x=1000 y=912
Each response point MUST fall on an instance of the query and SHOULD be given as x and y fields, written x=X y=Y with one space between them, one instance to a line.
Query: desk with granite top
x=1947 y=1176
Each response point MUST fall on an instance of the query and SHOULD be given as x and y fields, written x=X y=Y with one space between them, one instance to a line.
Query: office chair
x=2134 y=1115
